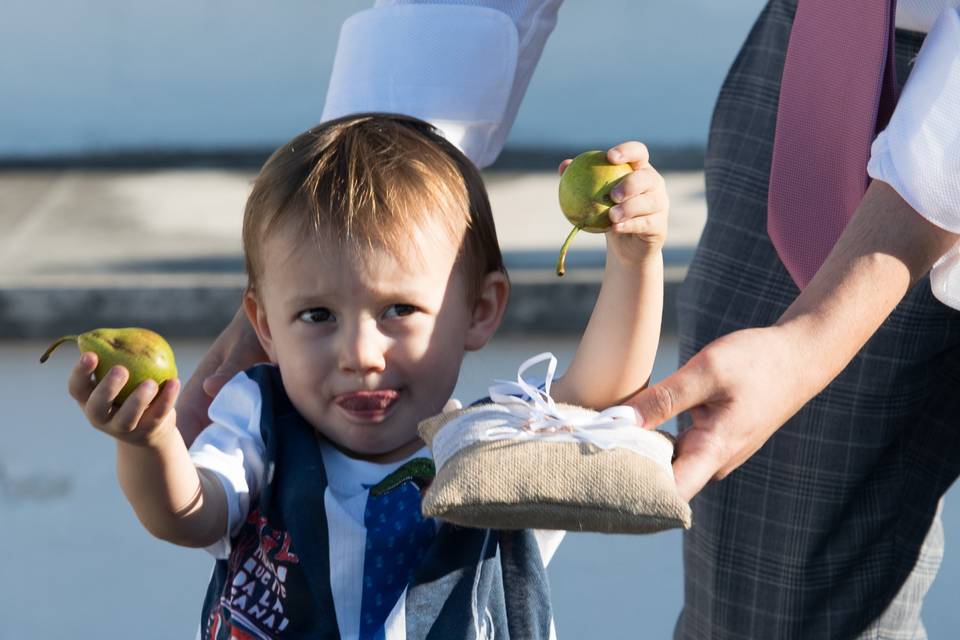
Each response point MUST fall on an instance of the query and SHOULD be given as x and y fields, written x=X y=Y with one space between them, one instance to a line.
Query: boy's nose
x=363 y=349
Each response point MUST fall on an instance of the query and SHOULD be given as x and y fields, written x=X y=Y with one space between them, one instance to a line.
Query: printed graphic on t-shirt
x=264 y=584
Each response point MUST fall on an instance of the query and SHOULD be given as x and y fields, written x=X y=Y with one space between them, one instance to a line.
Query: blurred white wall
x=82 y=76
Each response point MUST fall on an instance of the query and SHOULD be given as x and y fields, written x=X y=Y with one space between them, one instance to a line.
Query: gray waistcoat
x=474 y=583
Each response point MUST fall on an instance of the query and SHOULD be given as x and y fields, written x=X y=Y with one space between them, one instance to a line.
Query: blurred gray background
x=100 y=77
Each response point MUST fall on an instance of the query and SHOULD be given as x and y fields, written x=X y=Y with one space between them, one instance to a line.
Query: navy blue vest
x=474 y=583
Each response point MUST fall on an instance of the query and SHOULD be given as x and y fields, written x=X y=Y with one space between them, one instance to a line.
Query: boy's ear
x=488 y=309
x=258 y=320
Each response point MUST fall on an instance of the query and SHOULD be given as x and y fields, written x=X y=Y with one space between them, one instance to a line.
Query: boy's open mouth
x=367 y=403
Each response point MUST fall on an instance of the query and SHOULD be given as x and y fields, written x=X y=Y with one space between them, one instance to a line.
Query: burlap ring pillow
x=530 y=463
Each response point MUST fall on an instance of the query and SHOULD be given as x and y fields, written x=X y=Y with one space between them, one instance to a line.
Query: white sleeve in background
x=463 y=66
x=233 y=449
x=918 y=154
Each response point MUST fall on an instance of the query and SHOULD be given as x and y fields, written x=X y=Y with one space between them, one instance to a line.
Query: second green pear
x=144 y=353
x=585 y=195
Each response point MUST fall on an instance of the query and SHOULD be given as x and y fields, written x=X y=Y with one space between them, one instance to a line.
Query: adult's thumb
x=658 y=403
x=213 y=383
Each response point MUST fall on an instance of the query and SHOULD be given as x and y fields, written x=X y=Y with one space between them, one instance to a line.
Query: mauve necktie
x=838 y=89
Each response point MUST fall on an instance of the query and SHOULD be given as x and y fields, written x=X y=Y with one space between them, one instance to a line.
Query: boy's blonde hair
x=368 y=181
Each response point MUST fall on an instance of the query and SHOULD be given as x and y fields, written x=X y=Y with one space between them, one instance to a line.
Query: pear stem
x=46 y=354
x=563 y=251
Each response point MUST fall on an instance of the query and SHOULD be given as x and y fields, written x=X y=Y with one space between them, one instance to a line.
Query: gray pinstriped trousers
x=832 y=529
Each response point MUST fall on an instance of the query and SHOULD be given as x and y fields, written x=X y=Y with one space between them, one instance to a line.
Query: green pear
x=585 y=195
x=145 y=354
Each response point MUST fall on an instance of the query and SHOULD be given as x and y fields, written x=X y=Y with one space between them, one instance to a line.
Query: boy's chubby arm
x=172 y=498
x=615 y=356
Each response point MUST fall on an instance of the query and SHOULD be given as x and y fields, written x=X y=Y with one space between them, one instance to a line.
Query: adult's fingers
x=241 y=351
x=698 y=458
x=213 y=383
x=634 y=153
x=208 y=366
x=684 y=389
x=79 y=384
x=236 y=349
x=192 y=407
x=698 y=454
x=193 y=403
x=243 y=355
x=196 y=391
x=563 y=165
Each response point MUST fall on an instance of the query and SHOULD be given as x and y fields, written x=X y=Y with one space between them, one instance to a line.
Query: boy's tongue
x=367 y=401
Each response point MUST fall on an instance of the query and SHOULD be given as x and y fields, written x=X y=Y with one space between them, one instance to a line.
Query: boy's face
x=369 y=342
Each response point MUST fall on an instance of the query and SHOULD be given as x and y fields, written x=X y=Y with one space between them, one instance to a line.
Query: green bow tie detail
x=420 y=470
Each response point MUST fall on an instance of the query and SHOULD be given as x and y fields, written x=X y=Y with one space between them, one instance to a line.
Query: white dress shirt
x=465 y=65
x=918 y=154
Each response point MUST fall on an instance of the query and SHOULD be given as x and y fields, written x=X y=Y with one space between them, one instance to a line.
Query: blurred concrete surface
x=161 y=248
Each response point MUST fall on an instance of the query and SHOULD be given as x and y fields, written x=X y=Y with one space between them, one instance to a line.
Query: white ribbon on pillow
x=539 y=418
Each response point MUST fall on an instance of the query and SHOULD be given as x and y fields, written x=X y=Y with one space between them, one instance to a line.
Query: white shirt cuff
x=233 y=449
x=918 y=154
x=451 y=65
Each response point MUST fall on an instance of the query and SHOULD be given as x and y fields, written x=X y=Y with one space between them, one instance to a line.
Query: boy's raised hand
x=639 y=218
x=144 y=416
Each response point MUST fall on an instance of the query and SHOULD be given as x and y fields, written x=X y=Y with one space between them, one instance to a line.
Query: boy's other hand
x=146 y=415
x=234 y=350
x=639 y=216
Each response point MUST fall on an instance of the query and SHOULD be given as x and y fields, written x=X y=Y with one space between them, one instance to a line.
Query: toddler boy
x=373 y=268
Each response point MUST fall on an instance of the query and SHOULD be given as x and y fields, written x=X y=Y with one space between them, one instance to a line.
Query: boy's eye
x=399 y=310
x=314 y=316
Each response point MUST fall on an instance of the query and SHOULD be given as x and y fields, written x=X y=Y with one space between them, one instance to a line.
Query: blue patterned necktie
x=398 y=537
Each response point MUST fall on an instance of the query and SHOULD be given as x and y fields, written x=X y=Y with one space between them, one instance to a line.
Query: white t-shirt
x=233 y=448
x=466 y=65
